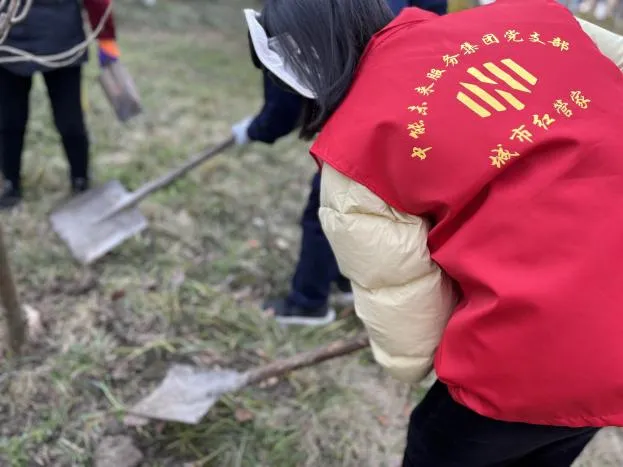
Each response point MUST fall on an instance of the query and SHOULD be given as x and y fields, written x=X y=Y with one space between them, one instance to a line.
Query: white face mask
x=270 y=54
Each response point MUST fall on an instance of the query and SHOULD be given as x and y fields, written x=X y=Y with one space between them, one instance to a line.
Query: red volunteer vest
x=503 y=126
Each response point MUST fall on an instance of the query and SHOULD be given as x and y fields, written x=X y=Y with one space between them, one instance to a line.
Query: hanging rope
x=14 y=13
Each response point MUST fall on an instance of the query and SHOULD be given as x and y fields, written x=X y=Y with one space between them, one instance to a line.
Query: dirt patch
x=605 y=450
x=117 y=451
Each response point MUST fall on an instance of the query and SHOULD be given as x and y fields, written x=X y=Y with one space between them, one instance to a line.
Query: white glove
x=240 y=131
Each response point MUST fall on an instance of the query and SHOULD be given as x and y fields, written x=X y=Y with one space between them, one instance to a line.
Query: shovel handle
x=168 y=178
x=309 y=358
x=174 y=174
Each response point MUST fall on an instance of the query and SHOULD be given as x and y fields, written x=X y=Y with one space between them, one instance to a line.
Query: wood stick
x=165 y=180
x=16 y=321
x=306 y=359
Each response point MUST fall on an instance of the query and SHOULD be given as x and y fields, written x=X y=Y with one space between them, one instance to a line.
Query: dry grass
x=188 y=289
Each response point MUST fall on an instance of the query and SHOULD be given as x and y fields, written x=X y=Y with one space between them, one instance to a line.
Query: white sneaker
x=286 y=314
x=343 y=300
x=303 y=320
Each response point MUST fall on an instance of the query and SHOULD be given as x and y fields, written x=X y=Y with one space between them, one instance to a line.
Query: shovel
x=96 y=221
x=120 y=90
x=186 y=394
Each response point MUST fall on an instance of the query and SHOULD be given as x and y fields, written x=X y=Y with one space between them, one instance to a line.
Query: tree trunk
x=16 y=321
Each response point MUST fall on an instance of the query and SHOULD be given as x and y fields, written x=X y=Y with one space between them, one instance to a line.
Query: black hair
x=328 y=38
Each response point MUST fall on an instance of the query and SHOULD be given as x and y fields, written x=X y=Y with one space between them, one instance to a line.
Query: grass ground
x=188 y=289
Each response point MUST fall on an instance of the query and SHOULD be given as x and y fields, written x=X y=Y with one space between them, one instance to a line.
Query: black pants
x=63 y=87
x=443 y=433
x=317 y=267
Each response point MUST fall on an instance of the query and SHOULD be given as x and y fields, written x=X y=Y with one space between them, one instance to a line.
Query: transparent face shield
x=271 y=52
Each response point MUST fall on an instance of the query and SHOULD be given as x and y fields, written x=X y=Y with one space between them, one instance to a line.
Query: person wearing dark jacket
x=51 y=27
x=316 y=271
x=436 y=6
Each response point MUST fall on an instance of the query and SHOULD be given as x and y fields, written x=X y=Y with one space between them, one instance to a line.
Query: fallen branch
x=15 y=318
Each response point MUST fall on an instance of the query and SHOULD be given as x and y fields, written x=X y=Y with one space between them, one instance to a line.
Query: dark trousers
x=317 y=268
x=63 y=87
x=443 y=433
x=397 y=5
x=439 y=7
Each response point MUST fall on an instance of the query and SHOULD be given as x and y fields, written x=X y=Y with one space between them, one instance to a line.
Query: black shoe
x=344 y=297
x=286 y=313
x=79 y=185
x=344 y=285
x=10 y=196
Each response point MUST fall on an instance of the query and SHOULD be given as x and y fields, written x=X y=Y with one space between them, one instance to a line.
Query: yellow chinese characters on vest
x=540 y=122
x=493 y=87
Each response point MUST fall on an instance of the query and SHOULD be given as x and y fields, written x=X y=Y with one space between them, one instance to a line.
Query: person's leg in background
x=572 y=5
x=14 y=96
x=618 y=15
x=587 y=6
x=443 y=433
x=316 y=271
x=64 y=89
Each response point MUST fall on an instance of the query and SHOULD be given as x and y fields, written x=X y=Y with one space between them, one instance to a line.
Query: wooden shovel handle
x=165 y=180
x=309 y=358
x=174 y=174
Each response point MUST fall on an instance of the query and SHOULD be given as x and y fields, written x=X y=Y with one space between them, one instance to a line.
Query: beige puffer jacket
x=405 y=300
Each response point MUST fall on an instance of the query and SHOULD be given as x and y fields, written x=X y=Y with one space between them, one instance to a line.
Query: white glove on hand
x=240 y=131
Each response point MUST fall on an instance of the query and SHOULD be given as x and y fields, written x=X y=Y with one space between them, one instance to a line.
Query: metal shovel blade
x=88 y=240
x=186 y=394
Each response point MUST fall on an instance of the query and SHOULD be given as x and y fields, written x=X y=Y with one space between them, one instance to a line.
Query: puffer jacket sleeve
x=401 y=295
x=609 y=43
